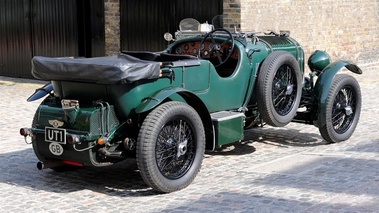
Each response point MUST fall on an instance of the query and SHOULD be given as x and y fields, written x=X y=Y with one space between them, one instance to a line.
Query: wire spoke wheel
x=343 y=107
x=284 y=90
x=342 y=110
x=176 y=148
x=279 y=88
x=170 y=146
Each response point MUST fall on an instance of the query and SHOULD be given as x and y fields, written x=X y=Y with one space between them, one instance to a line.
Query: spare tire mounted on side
x=279 y=88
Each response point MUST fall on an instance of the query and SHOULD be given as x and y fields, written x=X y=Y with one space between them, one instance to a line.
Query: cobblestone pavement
x=287 y=169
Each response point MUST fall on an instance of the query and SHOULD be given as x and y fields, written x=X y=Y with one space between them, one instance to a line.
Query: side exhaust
x=49 y=164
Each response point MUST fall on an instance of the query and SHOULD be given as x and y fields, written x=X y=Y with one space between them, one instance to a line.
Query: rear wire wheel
x=170 y=147
x=279 y=88
x=343 y=108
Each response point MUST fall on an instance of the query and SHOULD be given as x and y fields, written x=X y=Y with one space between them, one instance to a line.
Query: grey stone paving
x=287 y=169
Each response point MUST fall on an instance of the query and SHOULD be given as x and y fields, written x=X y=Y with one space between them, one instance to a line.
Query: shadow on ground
x=122 y=179
x=284 y=137
x=270 y=136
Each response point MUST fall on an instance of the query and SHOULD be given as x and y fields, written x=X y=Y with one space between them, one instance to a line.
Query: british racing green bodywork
x=197 y=84
x=202 y=92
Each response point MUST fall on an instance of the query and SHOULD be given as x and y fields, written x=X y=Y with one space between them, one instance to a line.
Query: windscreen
x=223 y=21
x=189 y=24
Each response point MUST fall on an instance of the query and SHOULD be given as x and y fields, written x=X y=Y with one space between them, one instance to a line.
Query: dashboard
x=193 y=48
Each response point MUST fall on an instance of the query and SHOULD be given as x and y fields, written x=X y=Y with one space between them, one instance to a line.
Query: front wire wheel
x=170 y=147
x=343 y=108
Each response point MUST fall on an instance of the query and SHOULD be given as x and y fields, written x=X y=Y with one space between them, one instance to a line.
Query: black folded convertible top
x=103 y=70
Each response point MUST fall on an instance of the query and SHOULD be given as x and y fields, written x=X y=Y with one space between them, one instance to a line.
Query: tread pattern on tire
x=146 y=149
x=264 y=84
x=327 y=131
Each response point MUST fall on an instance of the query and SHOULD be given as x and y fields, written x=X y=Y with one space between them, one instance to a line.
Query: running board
x=228 y=126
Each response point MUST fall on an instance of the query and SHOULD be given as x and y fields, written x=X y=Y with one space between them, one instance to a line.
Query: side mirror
x=168 y=37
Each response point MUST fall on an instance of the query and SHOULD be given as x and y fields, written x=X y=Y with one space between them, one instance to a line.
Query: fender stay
x=323 y=85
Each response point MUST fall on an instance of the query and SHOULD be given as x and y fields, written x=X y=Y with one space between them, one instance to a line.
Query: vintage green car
x=166 y=108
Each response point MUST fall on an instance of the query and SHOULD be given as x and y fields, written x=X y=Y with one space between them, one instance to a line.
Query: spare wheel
x=279 y=88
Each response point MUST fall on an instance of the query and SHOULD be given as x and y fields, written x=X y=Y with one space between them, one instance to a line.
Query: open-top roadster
x=166 y=108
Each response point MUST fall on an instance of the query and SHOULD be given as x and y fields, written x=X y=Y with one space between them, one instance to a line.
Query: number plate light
x=70 y=104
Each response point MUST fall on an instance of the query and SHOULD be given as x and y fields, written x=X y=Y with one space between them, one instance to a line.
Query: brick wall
x=232 y=8
x=345 y=29
x=112 y=27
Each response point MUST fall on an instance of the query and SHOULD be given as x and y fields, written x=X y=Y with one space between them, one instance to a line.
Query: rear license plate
x=55 y=135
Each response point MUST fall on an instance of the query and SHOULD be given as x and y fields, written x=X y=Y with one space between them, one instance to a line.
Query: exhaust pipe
x=49 y=164
x=112 y=154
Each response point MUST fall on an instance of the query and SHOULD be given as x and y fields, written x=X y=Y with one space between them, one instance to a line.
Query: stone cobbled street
x=288 y=169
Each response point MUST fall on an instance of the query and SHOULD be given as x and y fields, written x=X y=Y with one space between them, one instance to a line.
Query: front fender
x=323 y=85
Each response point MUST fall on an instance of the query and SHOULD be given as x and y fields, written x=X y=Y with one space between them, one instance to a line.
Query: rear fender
x=323 y=85
x=192 y=100
x=41 y=92
x=153 y=101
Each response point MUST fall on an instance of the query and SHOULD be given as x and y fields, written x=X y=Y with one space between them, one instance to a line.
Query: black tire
x=166 y=163
x=343 y=108
x=279 y=88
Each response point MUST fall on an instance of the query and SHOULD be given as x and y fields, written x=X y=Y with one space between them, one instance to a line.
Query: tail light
x=24 y=132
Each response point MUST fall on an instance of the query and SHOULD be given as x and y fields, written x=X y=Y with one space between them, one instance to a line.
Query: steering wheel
x=216 y=48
